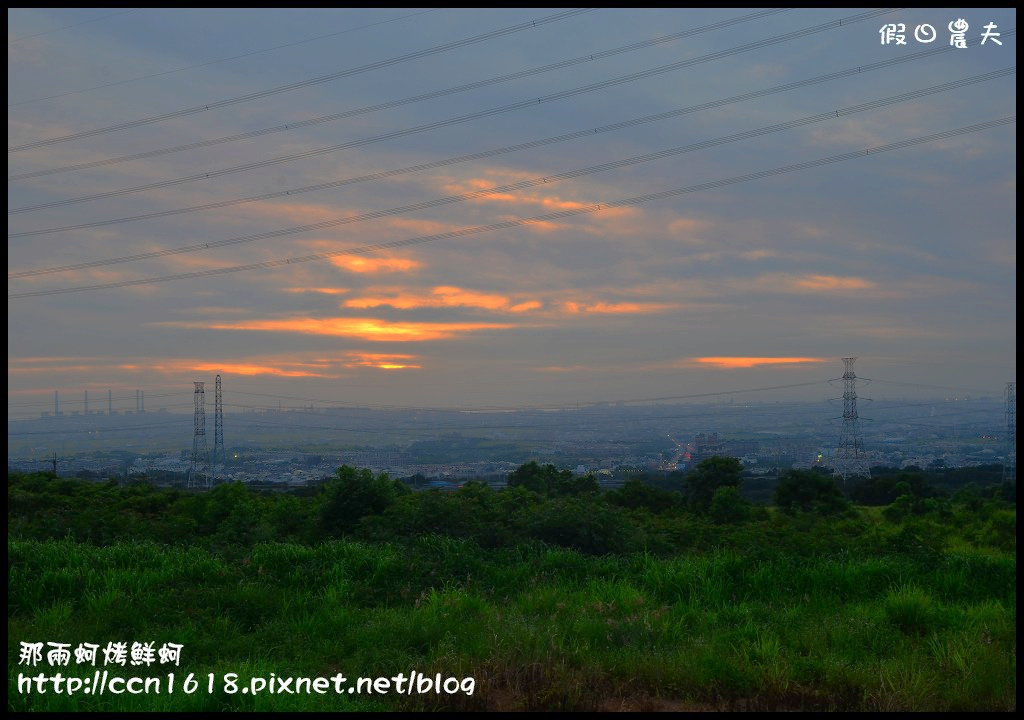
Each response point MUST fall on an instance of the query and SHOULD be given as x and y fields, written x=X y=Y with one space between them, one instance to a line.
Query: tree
x=549 y=480
x=637 y=494
x=530 y=476
x=728 y=506
x=701 y=483
x=354 y=494
x=809 y=490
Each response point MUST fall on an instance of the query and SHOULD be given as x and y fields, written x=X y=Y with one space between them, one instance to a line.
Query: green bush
x=354 y=494
x=729 y=506
x=811 y=491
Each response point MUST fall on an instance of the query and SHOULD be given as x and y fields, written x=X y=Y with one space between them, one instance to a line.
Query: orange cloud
x=629 y=307
x=401 y=302
x=359 y=264
x=365 y=328
x=247 y=369
x=458 y=296
x=810 y=283
x=525 y=306
x=323 y=290
x=444 y=296
x=831 y=282
x=381 y=361
x=623 y=308
x=732 y=363
x=523 y=198
x=52 y=368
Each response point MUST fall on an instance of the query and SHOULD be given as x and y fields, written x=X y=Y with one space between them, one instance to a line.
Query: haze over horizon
x=424 y=287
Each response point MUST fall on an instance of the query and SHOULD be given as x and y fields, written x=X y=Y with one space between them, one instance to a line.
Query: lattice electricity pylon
x=218 y=430
x=199 y=469
x=1010 y=464
x=850 y=461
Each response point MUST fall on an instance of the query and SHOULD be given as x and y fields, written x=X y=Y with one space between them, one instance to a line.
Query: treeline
x=699 y=510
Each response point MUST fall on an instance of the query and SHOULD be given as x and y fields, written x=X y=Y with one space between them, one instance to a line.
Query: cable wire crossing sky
x=514 y=208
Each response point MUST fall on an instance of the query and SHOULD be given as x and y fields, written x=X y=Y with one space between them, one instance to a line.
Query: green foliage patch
x=549 y=600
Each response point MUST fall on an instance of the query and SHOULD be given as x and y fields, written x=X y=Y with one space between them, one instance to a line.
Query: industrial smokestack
x=86 y=403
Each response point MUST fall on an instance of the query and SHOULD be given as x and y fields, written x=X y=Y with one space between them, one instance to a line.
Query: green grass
x=536 y=627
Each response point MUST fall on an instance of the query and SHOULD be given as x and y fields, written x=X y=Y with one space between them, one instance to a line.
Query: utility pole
x=218 y=429
x=199 y=468
x=851 y=461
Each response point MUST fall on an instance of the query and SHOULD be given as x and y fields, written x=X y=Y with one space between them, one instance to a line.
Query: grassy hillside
x=528 y=600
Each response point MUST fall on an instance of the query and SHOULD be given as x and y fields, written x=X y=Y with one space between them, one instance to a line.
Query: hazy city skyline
x=753 y=274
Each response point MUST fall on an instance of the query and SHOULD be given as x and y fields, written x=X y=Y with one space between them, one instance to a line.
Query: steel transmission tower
x=218 y=429
x=851 y=461
x=199 y=469
x=1010 y=464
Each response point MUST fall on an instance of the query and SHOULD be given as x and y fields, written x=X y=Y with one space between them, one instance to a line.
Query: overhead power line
x=507 y=149
x=456 y=120
x=404 y=101
x=525 y=221
x=313 y=81
x=215 y=62
x=524 y=184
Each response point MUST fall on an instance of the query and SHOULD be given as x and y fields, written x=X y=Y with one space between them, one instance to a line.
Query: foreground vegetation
x=549 y=594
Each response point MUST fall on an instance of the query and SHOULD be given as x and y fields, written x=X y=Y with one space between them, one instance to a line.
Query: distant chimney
x=86 y=403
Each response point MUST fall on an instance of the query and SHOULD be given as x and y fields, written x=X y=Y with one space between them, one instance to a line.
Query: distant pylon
x=199 y=468
x=1010 y=464
x=218 y=429
x=851 y=461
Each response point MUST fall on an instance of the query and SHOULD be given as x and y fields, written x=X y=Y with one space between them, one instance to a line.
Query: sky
x=284 y=198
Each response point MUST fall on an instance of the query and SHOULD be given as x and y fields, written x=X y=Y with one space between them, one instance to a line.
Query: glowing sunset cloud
x=523 y=198
x=399 y=302
x=365 y=328
x=236 y=368
x=51 y=359
x=623 y=308
x=322 y=290
x=458 y=296
x=526 y=306
x=175 y=367
x=52 y=368
x=250 y=369
x=359 y=264
x=831 y=282
x=444 y=296
x=382 y=361
x=629 y=307
x=732 y=363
